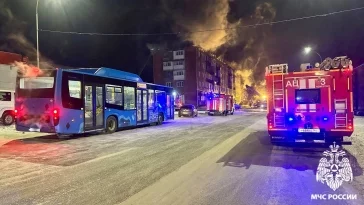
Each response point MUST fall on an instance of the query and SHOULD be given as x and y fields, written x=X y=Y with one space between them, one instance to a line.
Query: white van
x=7 y=106
x=7 y=93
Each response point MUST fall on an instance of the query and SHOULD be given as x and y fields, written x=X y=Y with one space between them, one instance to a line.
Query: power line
x=207 y=30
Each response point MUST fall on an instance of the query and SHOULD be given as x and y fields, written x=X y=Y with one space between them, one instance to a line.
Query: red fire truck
x=312 y=105
x=220 y=104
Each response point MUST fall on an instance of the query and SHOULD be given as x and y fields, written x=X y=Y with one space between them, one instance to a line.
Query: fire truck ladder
x=278 y=100
x=341 y=116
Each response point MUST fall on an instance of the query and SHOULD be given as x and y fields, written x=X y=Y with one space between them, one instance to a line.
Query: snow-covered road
x=204 y=160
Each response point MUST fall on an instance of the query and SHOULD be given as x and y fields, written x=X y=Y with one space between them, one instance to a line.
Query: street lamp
x=36 y=22
x=308 y=50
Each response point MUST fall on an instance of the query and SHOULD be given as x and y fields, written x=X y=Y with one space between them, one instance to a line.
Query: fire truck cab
x=314 y=105
x=220 y=104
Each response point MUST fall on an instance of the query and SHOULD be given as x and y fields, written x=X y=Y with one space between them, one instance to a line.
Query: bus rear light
x=55 y=117
x=15 y=113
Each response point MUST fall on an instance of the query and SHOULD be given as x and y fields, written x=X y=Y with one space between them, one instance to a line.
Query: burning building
x=193 y=73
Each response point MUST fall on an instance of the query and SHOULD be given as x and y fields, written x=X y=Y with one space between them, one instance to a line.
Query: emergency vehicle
x=220 y=104
x=312 y=105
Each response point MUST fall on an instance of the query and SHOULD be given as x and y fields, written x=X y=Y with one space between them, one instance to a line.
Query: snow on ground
x=107 y=169
x=246 y=169
x=203 y=160
x=357 y=150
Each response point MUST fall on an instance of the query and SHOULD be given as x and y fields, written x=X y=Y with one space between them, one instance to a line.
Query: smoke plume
x=244 y=48
x=13 y=39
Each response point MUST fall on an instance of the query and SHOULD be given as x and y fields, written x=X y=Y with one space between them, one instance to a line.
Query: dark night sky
x=332 y=36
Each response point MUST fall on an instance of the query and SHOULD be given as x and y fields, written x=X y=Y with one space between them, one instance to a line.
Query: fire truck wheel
x=226 y=113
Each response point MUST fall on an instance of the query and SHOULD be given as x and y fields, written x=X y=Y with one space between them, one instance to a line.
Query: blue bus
x=75 y=101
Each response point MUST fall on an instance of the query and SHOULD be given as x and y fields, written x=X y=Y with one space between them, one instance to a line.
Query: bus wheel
x=111 y=124
x=160 y=119
x=8 y=118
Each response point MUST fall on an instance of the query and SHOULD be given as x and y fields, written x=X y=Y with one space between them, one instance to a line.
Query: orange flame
x=26 y=70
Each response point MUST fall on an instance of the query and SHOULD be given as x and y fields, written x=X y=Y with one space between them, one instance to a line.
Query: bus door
x=142 y=106
x=94 y=106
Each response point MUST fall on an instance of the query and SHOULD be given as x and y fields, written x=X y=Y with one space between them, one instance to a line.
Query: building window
x=180 y=84
x=167 y=64
x=179 y=73
x=179 y=53
x=178 y=63
x=169 y=84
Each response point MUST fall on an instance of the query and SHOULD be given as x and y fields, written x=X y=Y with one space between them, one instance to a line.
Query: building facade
x=193 y=73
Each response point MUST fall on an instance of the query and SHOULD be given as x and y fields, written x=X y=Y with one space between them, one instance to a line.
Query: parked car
x=263 y=106
x=188 y=110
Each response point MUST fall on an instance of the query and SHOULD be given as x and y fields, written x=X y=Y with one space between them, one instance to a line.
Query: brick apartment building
x=193 y=73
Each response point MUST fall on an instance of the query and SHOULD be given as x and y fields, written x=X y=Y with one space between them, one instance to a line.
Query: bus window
x=36 y=83
x=74 y=87
x=168 y=106
x=71 y=91
x=151 y=99
x=161 y=98
x=35 y=87
x=110 y=95
x=114 y=95
x=118 y=96
x=129 y=98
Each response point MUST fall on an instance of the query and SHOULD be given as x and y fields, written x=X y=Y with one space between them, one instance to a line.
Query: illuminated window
x=114 y=95
x=74 y=87
x=151 y=99
x=129 y=98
